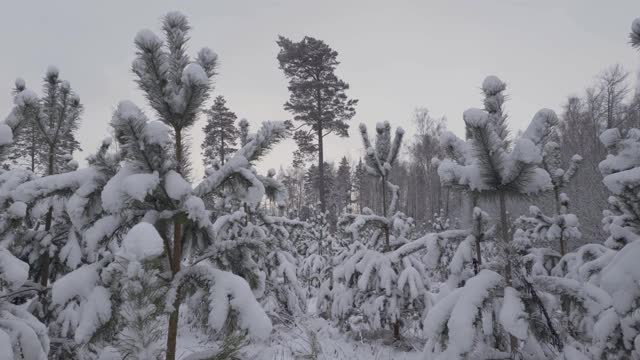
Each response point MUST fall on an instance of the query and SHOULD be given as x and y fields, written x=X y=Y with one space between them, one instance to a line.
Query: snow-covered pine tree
x=284 y=298
x=22 y=336
x=56 y=118
x=259 y=247
x=622 y=221
x=27 y=145
x=613 y=329
x=176 y=87
x=493 y=314
x=538 y=233
x=493 y=169
x=379 y=281
x=379 y=160
x=562 y=227
x=221 y=135
x=315 y=248
x=147 y=189
x=598 y=285
x=47 y=137
x=449 y=256
x=312 y=183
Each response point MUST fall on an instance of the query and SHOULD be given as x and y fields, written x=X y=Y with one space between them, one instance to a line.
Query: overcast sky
x=396 y=55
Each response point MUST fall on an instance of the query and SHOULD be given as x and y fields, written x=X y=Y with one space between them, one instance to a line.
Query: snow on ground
x=297 y=340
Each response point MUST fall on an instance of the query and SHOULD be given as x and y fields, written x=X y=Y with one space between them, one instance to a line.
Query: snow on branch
x=226 y=293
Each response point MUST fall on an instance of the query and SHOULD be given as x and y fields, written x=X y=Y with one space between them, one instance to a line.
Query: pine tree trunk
x=513 y=342
x=172 y=332
x=474 y=203
x=221 y=148
x=384 y=212
x=323 y=206
x=396 y=329
x=563 y=247
x=321 y=175
x=33 y=150
x=505 y=238
x=45 y=260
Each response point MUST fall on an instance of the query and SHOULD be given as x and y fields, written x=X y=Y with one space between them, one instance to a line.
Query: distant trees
x=318 y=98
x=604 y=105
x=426 y=197
x=221 y=133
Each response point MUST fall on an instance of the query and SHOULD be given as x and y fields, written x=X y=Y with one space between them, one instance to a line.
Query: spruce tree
x=343 y=186
x=221 y=134
x=318 y=99
x=361 y=186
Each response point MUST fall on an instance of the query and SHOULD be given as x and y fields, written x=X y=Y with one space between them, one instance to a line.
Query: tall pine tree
x=318 y=99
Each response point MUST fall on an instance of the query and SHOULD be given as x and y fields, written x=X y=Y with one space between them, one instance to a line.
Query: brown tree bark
x=513 y=341
x=172 y=331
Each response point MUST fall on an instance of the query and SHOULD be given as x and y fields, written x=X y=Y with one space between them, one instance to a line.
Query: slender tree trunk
x=172 y=332
x=474 y=203
x=384 y=212
x=45 y=260
x=396 y=329
x=221 y=148
x=323 y=206
x=513 y=342
x=563 y=247
x=504 y=229
x=33 y=150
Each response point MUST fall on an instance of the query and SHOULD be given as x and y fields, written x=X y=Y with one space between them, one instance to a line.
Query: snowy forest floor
x=298 y=339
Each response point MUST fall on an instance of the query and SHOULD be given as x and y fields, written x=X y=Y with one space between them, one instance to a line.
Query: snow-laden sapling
x=379 y=281
x=459 y=262
x=621 y=171
x=53 y=119
x=502 y=313
x=492 y=167
x=538 y=233
x=22 y=336
x=562 y=227
x=315 y=247
x=283 y=295
x=148 y=191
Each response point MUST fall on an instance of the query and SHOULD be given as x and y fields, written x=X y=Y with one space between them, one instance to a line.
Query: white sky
x=397 y=55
